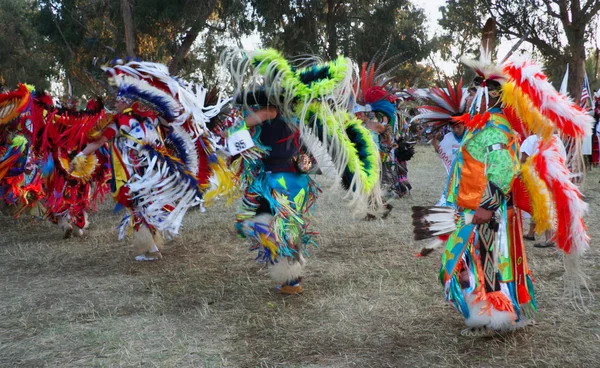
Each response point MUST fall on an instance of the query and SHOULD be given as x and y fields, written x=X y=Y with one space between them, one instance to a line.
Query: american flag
x=586 y=97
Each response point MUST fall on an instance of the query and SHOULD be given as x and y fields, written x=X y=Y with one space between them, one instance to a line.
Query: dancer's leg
x=146 y=247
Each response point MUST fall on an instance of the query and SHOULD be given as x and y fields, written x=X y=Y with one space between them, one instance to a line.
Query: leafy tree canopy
x=54 y=39
x=558 y=29
x=356 y=28
x=25 y=56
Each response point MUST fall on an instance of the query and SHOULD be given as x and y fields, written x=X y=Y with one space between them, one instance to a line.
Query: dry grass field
x=369 y=302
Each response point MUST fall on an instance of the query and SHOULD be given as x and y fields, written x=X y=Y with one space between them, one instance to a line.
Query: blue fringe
x=530 y=288
x=48 y=167
x=264 y=185
x=160 y=103
x=455 y=296
x=513 y=299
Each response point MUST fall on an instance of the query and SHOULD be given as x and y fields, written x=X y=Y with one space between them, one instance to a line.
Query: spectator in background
x=596 y=131
x=471 y=97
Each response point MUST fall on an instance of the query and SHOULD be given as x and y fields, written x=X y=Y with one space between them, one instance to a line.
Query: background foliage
x=52 y=41
x=560 y=31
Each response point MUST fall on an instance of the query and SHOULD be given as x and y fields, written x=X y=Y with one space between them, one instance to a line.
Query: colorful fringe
x=462 y=255
x=289 y=196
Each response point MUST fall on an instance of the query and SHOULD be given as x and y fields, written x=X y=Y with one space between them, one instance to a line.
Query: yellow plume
x=540 y=197
x=226 y=183
x=84 y=167
x=513 y=97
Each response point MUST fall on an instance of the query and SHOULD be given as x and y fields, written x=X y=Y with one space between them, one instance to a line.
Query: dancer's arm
x=256 y=118
x=260 y=116
x=88 y=150
x=93 y=146
x=108 y=134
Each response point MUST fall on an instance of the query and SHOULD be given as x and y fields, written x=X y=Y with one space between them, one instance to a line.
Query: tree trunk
x=129 y=31
x=177 y=60
x=331 y=30
x=596 y=68
x=576 y=74
x=576 y=37
x=575 y=23
x=176 y=63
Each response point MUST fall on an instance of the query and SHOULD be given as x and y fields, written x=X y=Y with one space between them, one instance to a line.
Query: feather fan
x=434 y=221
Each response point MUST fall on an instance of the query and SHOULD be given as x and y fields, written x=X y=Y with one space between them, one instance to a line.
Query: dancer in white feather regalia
x=154 y=139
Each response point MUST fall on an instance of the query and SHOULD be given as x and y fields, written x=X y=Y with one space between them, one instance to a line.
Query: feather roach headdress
x=444 y=105
x=174 y=99
x=489 y=75
x=373 y=90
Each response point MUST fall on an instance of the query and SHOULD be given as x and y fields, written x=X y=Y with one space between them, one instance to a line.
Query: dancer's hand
x=482 y=216
x=71 y=164
x=435 y=141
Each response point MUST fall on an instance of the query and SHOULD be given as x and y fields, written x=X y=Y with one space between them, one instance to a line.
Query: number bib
x=239 y=142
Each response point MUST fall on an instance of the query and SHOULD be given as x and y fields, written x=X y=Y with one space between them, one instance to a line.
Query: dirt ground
x=369 y=302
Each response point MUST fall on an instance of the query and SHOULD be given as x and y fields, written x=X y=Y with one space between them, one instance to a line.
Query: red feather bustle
x=20 y=93
x=60 y=134
x=568 y=117
x=516 y=123
x=375 y=93
x=571 y=236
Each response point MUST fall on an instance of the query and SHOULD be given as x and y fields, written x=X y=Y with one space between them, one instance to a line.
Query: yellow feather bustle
x=513 y=97
x=540 y=197
x=226 y=183
x=84 y=167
